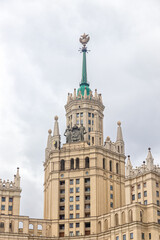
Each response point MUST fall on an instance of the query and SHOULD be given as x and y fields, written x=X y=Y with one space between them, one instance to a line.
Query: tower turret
x=150 y=160
x=119 y=140
x=128 y=166
x=56 y=136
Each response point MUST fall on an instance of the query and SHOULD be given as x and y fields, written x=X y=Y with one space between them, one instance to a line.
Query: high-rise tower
x=84 y=178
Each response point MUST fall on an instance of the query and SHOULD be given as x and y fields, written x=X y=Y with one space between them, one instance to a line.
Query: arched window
x=104 y=163
x=117 y=168
x=116 y=219
x=72 y=163
x=87 y=162
x=77 y=163
x=130 y=216
x=62 y=165
x=110 y=166
x=123 y=218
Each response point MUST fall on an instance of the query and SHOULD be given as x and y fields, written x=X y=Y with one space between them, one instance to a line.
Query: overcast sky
x=40 y=64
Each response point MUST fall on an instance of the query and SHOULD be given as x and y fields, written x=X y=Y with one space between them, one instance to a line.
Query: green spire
x=84 y=84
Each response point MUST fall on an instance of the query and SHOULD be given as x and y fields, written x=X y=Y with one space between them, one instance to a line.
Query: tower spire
x=84 y=84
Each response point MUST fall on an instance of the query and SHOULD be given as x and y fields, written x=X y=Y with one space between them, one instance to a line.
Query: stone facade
x=87 y=194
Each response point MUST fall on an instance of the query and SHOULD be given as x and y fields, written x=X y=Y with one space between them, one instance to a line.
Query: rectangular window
x=111 y=204
x=87 y=180
x=81 y=121
x=158 y=212
x=77 y=206
x=87 y=197
x=111 y=187
x=62 y=208
x=92 y=115
x=77 y=189
x=2 y=207
x=62 y=191
x=10 y=208
x=71 y=225
x=71 y=190
x=3 y=199
x=77 y=115
x=77 y=198
x=71 y=234
x=77 y=225
x=61 y=226
x=71 y=181
x=87 y=225
x=158 y=221
x=62 y=182
x=131 y=235
x=132 y=188
x=157 y=185
x=89 y=121
x=77 y=215
x=77 y=122
x=2 y=225
x=139 y=186
x=157 y=193
x=144 y=184
x=124 y=236
x=81 y=114
x=62 y=199
x=70 y=216
x=111 y=196
x=71 y=199
x=139 y=195
x=149 y=235
x=117 y=238
x=62 y=216
x=87 y=189
x=133 y=197
x=71 y=207
x=89 y=114
x=77 y=233
x=145 y=193
x=92 y=122
x=145 y=202
x=77 y=181
x=87 y=206
x=157 y=202
x=89 y=129
x=142 y=235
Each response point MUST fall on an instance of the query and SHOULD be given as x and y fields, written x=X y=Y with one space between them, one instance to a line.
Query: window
x=89 y=114
x=87 y=197
x=144 y=184
x=87 y=206
x=92 y=115
x=77 y=115
x=77 y=225
x=71 y=225
x=61 y=226
x=62 y=191
x=111 y=187
x=133 y=197
x=145 y=202
x=2 y=225
x=87 y=225
x=111 y=196
x=104 y=163
x=87 y=162
x=111 y=204
x=81 y=122
x=142 y=235
x=72 y=163
x=81 y=114
x=77 y=206
x=131 y=235
x=117 y=238
x=62 y=165
x=157 y=202
x=10 y=208
x=62 y=199
x=77 y=233
x=71 y=199
x=77 y=215
x=149 y=235
x=87 y=189
x=89 y=129
x=62 y=208
x=77 y=122
x=157 y=193
x=158 y=221
x=139 y=186
x=77 y=181
x=3 y=199
x=71 y=207
x=77 y=189
x=92 y=122
x=139 y=195
x=77 y=163
x=70 y=216
x=145 y=193
x=110 y=166
x=158 y=212
x=77 y=198
x=71 y=181
x=62 y=183
x=117 y=168
x=71 y=234
x=71 y=190
x=89 y=121
x=132 y=188
x=157 y=185
x=3 y=207
x=124 y=236
x=87 y=180
x=62 y=216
